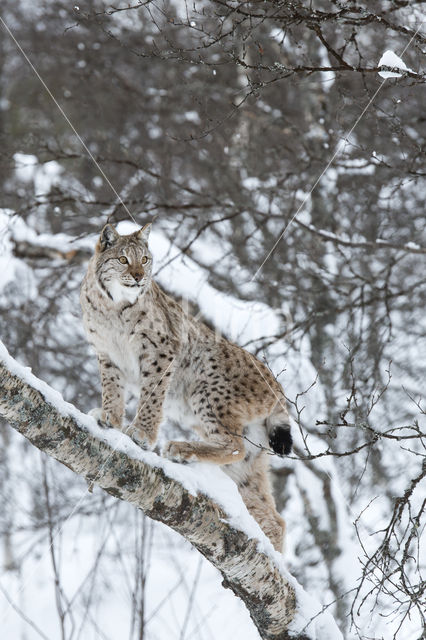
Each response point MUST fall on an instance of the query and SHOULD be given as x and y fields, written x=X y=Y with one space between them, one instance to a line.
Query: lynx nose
x=138 y=275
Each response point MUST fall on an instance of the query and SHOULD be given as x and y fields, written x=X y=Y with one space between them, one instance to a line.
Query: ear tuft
x=108 y=237
x=143 y=234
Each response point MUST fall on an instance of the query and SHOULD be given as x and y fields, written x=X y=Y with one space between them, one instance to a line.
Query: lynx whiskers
x=180 y=369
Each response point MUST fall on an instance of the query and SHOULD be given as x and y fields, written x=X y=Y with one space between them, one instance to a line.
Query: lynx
x=182 y=370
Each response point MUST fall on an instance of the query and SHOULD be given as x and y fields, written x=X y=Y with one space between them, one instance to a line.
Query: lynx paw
x=178 y=452
x=100 y=418
x=140 y=438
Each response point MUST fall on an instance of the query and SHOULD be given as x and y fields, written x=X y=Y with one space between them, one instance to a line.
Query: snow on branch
x=409 y=247
x=220 y=528
x=393 y=66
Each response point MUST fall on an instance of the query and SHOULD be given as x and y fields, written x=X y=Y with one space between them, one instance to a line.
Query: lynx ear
x=143 y=234
x=108 y=237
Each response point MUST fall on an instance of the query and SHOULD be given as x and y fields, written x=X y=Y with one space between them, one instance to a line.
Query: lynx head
x=123 y=263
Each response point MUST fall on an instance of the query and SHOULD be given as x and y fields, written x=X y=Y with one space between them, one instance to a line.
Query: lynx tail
x=278 y=427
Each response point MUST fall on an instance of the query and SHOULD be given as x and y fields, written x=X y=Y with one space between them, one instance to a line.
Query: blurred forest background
x=286 y=174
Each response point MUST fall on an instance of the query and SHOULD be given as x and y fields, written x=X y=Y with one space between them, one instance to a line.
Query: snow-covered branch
x=409 y=247
x=165 y=492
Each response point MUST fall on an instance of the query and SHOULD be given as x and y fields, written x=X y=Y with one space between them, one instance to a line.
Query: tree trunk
x=252 y=575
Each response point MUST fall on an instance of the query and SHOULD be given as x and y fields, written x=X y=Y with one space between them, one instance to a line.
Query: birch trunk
x=251 y=575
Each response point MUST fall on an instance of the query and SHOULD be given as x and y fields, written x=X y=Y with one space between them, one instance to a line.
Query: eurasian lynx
x=181 y=369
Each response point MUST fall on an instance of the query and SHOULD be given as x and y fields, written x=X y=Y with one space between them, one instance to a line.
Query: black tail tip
x=280 y=440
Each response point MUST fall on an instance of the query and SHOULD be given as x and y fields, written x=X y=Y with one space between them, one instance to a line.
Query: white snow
x=25 y=166
x=412 y=245
x=312 y=619
x=390 y=59
x=14 y=227
x=44 y=175
x=192 y=116
x=328 y=77
x=11 y=268
x=358 y=166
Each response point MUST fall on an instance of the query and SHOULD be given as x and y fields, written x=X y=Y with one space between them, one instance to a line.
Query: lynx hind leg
x=223 y=446
x=256 y=491
x=231 y=450
x=221 y=431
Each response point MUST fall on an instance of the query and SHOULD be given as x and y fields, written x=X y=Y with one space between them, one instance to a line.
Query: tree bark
x=252 y=575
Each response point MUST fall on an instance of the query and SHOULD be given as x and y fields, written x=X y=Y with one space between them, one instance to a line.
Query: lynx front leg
x=112 y=411
x=144 y=427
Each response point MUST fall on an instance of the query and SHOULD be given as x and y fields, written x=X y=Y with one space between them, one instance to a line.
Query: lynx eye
x=123 y=259
x=144 y=260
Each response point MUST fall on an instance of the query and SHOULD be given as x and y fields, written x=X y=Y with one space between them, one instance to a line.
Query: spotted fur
x=179 y=368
